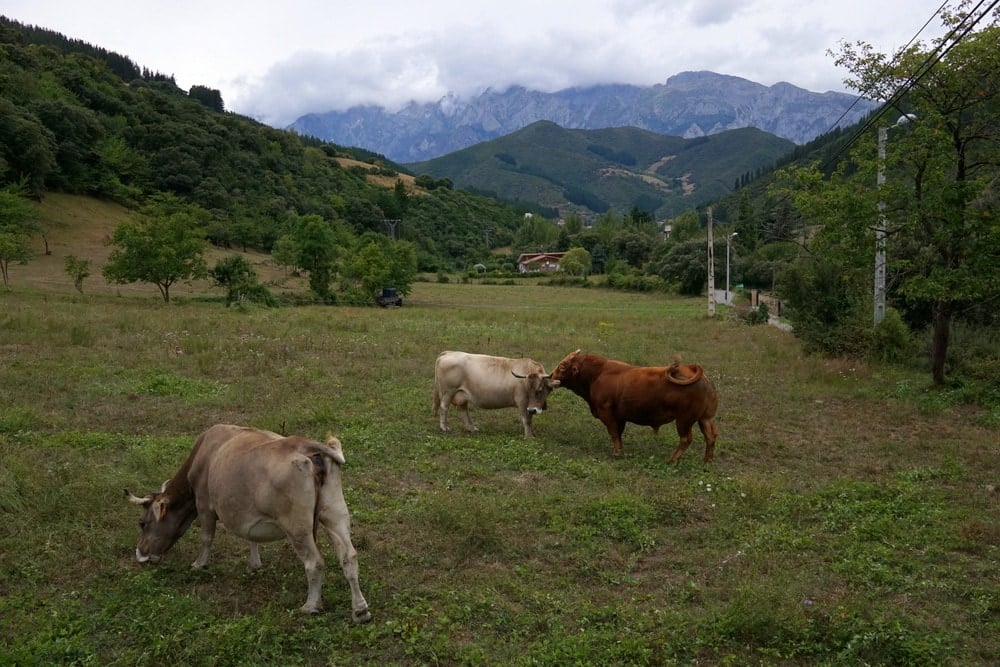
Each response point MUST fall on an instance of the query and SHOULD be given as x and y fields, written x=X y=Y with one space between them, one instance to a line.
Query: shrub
x=892 y=341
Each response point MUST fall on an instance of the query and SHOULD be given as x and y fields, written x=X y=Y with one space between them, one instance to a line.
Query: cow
x=618 y=392
x=263 y=487
x=462 y=378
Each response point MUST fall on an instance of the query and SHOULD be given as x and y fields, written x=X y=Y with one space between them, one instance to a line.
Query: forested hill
x=76 y=118
x=590 y=172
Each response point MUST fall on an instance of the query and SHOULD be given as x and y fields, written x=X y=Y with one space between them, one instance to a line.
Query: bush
x=759 y=315
x=892 y=341
x=829 y=313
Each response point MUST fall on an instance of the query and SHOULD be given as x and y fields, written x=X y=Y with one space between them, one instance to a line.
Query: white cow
x=263 y=487
x=462 y=378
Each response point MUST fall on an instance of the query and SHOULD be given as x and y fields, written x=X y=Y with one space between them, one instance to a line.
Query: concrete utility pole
x=729 y=238
x=880 y=225
x=711 y=267
x=880 y=233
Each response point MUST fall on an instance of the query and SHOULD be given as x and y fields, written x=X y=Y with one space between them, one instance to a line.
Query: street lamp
x=729 y=237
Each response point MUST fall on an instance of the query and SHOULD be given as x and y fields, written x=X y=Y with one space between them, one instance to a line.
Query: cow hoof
x=310 y=609
x=362 y=616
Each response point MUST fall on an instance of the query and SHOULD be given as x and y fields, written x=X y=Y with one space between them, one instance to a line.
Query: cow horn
x=136 y=500
x=514 y=373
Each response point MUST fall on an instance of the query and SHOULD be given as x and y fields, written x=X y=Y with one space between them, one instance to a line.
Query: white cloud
x=276 y=61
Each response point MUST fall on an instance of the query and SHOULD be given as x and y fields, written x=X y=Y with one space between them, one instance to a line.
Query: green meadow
x=851 y=515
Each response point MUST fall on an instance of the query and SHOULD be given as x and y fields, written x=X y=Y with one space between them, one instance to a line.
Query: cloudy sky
x=275 y=61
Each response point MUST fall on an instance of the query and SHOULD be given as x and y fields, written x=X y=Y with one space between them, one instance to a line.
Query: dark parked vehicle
x=390 y=298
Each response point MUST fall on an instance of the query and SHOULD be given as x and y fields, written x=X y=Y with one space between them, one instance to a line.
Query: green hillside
x=594 y=171
x=77 y=119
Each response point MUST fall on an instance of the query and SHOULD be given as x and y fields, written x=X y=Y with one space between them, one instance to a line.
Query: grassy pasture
x=850 y=516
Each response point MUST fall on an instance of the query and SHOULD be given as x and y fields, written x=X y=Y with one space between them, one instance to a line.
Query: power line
x=906 y=46
x=922 y=70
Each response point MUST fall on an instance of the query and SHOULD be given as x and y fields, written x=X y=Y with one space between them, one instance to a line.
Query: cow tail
x=437 y=400
x=320 y=472
x=678 y=374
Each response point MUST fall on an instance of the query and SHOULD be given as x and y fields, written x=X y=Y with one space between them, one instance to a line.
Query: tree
x=942 y=226
x=573 y=223
x=576 y=262
x=377 y=262
x=208 y=97
x=163 y=244
x=315 y=249
x=77 y=269
x=236 y=275
x=27 y=148
x=684 y=265
x=685 y=227
x=18 y=221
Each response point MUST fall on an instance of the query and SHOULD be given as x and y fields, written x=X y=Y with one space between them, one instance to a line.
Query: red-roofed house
x=545 y=262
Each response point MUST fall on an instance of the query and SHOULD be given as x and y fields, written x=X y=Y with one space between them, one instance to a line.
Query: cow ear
x=160 y=507
x=553 y=383
x=338 y=451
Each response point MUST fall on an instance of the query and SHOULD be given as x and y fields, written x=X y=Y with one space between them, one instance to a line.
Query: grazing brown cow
x=462 y=379
x=263 y=487
x=649 y=396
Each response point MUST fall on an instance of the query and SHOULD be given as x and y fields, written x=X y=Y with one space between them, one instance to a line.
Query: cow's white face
x=539 y=387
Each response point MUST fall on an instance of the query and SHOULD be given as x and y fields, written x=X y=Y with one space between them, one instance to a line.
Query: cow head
x=568 y=369
x=538 y=387
x=161 y=524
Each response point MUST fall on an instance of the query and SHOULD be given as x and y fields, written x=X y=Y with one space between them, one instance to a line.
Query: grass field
x=850 y=517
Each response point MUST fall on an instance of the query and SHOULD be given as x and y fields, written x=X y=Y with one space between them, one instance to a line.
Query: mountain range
x=688 y=105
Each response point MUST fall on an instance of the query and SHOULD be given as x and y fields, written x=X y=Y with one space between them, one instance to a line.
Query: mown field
x=851 y=516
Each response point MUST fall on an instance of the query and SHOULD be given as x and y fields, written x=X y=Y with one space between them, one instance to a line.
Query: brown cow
x=263 y=487
x=649 y=396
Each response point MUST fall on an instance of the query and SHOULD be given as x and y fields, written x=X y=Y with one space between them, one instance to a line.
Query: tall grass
x=842 y=523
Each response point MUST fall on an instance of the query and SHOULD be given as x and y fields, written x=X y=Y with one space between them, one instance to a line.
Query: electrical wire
x=922 y=70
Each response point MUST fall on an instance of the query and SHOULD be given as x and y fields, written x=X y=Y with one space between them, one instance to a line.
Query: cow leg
x=711 y=433
x=305 y=547
x=461 y=401
x=616 y=427
x=255 y=563
x=444 y=400
x=684 y=433
x=336 y=521
x=207 y=521
x=526 y=420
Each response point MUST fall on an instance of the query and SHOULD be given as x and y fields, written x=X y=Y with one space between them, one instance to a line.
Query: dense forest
x=76 y=118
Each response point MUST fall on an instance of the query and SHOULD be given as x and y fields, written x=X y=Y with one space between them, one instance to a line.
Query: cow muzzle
x=535 y=411
x=144 y=558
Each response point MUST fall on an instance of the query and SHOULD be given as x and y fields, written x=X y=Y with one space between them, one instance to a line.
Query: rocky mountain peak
x=687 y=104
